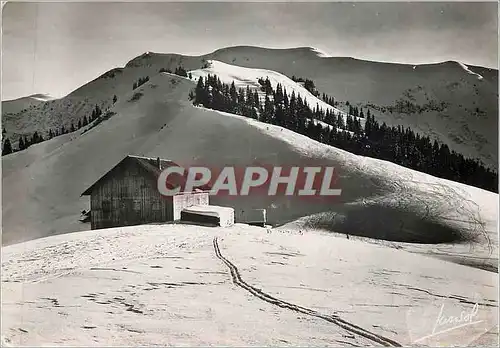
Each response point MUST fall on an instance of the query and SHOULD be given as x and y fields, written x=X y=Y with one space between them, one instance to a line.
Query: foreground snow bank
x=167 y=285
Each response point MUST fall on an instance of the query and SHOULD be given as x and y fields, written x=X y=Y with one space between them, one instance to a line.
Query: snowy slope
x=42 y=186
x=321 y=53
x=54 y=113
x=469 y=71
x=244 y=77
x=63 y=111
x=468 y=123
x=167 y=284
x=172 y=285
x=16 y=105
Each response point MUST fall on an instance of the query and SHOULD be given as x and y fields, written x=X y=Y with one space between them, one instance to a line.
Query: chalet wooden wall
x=129 y=196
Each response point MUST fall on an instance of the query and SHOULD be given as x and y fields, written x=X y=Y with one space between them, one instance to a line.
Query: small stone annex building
x=128 y=194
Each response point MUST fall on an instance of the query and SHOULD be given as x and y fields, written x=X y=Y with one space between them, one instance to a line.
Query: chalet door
x=106 y=214
x=129 y=213
x=123 y=212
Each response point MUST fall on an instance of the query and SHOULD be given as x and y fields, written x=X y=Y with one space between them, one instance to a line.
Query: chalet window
x=106 y=206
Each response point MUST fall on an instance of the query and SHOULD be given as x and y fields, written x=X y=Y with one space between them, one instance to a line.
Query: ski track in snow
x=235 y=274
x=155 y=284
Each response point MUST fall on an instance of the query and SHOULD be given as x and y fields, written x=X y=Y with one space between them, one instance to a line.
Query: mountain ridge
x=445 y=101
x=308 y=49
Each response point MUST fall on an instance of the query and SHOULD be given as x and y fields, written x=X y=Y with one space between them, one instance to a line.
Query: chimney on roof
x=158 y=163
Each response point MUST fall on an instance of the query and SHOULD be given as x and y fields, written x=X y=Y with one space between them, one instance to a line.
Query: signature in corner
x=466 y=318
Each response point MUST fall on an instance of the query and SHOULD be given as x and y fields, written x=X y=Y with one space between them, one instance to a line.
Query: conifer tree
x=34 y=138
x=201 y=93
x=7 y=147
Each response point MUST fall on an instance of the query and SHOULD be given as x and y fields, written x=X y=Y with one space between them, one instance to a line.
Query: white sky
x=54 y=48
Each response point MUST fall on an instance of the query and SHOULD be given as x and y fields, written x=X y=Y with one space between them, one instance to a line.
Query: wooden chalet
x=128 y=194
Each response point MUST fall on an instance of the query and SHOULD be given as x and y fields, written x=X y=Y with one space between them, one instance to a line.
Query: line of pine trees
x=140 y=82
x=181 y=71
x=329 y=100
x=24 y=141
x=308 y=84
x=178 y=71
x=7 y=146
x=395 y=144
x=277 y=107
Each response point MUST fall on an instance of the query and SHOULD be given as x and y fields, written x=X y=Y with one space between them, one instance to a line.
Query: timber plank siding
x=128 y=197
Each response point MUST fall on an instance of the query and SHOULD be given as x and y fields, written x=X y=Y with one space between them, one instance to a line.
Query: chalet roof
x=151 y=167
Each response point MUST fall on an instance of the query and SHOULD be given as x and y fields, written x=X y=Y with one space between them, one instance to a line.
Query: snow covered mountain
x=243 y=77
x=300 y=283
x=21 y=105
x=249 y=77
x=447 y=101
x=42 y=185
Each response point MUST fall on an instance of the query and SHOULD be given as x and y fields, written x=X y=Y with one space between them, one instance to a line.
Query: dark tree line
x=24 y=141
x=308 y=84
x=181 y=71
x=329 y=100
x=178 y=71
x=82 y=122
x=277 y=107
x=410 y=149
x=395 y=144
x=7 y=147
x=140 y=82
